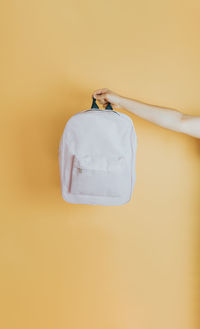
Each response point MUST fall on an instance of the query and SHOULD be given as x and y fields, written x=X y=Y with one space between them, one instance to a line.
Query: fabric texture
x=97 y=156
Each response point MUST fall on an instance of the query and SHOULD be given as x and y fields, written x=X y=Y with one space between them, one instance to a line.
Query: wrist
x=122 y=102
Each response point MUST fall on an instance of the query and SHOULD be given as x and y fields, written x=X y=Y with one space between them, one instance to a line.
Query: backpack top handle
x=94 y=105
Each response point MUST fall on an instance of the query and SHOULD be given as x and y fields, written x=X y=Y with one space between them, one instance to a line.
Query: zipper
x=97 y=110
x=71 y=173
x=101 y=111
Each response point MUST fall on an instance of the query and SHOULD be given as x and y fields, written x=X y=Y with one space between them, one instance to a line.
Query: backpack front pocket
x=98 y=176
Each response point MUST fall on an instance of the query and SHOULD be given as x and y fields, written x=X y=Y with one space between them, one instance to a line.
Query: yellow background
x=90 y=267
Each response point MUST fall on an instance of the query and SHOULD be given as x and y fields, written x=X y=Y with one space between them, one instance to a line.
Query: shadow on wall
x=38 y=135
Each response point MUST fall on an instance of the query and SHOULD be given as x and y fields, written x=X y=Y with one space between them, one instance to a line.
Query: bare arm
x=164 y=117
x=167 y=118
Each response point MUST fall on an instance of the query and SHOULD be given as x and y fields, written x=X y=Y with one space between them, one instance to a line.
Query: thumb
x=102 y=99
x=100 y=92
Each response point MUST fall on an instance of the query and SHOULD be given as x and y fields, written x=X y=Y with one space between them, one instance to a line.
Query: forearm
x=163 y=117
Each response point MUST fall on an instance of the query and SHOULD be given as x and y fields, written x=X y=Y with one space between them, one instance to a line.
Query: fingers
x=101 y=96
x=106 y=96
x=99 y=92
x=102 y=100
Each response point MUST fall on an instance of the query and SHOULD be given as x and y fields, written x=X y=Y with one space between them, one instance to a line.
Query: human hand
x=105 y=96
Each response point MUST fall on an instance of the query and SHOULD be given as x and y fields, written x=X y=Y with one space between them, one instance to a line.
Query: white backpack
x=97 y=154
